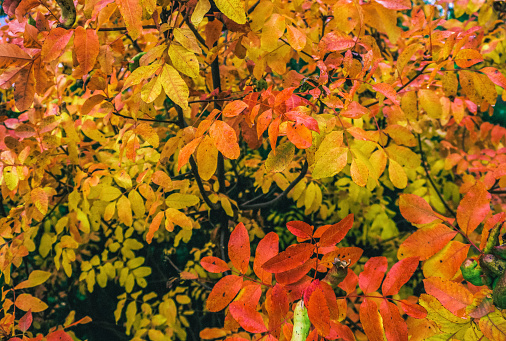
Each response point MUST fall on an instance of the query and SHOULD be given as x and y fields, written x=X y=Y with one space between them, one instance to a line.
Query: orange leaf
x=224 y=292
x=336 y=232
x=86 y=47
x=416 y=210
x=370 y=319
x=318 y=311
x=412 y=309
x=294 y=256
x=266 y=249
x=131 y=11
x=452 y=295
x=370 y=279
x=425 y=242
x=388 y=91
x=473 y=208
x=277 y=306
x=234 y=108
x=446 y=262
x=299 y=135
x=300 y=229
x=28 y=302
x=154 y=226
x=247 y=317
x=186 y=152
x=398 y=275
x=214 y=264
x=355 y=111
x=396 y=328
x=55 y=44
x=225 y=138
x=239 y=248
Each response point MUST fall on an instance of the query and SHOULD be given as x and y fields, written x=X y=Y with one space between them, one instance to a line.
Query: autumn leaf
x=370 y=279
x=223 y=292
x=247 y=316
x=398 y=275
x=266 y=249
x=416 y=210
x=292 y=257
x=239 y=248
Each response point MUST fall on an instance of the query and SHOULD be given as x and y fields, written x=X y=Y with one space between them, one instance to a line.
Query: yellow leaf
x=27 y=302
x=40 y=199
x=185 y=37
x=151 y=90
x=233 y=9
x=131 y=11
x=174 y=86
x=203 y=6
x=109 y=193
x=397 y=174
x=124 y=211
x=35 y=278
x=178 y=218
x=207 y=158
x=137 y=203
x=179 y=201
x=140 y=74
x=277 y=161
x=184 y=60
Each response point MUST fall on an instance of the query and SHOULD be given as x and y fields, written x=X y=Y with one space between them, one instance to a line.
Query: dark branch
x=282 y=195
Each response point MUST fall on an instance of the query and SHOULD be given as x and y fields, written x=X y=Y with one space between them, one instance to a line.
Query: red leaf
x=214 y=264
x=349 y=284
x=277 y=307
x=398 y=275
x=318 y=311
x=223 y=292
x=388 y=91
x=300 y=229
x=239 y=248
x=413 y=310
x=370 y=279
x=416 y=210
x=426 y=242
x=335 y=233
x=396 y=328
x=473 y=208
x=293 y=275
x=26 y=321
x=247 y=317
x=59 y=335
x=370 y=319
x=267 y=248
x=294 y=256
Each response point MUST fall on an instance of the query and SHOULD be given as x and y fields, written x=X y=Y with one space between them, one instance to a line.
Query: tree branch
x=282 y=195
x=424 y=164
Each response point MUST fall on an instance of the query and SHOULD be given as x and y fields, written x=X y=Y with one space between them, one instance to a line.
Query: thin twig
x=282 y=195
x=424 y=165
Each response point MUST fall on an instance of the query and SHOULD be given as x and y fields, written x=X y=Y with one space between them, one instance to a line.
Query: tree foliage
x=154 y=151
